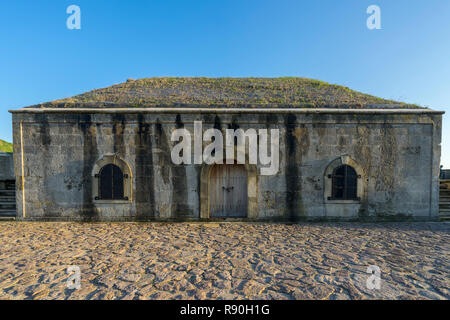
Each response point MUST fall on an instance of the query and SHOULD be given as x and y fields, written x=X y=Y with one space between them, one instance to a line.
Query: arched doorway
x=228 y=191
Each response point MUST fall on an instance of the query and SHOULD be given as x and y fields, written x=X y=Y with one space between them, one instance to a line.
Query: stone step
x=13 y=195
x=8 y=201
x=11 y=218
x=7 y=198
x=7 y=193
x=8 y=206
x=7 y=213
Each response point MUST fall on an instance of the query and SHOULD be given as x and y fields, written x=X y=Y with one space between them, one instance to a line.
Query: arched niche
x=127 y=181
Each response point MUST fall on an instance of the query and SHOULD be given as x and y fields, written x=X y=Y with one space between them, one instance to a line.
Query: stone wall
x=397 y=155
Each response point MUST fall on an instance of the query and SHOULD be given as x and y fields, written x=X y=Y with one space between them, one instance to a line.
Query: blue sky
x=407 y=60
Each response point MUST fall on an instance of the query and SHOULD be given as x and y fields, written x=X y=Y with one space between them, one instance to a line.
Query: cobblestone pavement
x=224 y=261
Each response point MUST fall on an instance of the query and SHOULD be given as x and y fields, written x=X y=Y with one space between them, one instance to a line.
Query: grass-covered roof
x=286 y=92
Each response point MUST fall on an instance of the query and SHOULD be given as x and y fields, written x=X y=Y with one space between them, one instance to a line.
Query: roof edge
x=226 y=110
x=109 y=105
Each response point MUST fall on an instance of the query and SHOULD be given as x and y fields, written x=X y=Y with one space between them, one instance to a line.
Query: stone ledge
x=223 y=110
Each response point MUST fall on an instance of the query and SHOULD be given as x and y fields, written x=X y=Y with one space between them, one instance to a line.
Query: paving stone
x=224 y=260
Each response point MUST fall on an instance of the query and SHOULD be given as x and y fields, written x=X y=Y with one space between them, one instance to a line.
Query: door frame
x=252 y=191
x=223 y=175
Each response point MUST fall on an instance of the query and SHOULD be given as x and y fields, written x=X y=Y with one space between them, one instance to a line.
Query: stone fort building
x=106 y=155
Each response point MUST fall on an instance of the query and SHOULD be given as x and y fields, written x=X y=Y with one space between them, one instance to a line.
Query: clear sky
x=407 y=60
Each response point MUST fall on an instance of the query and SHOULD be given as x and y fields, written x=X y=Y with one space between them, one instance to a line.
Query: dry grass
x=226 y=92
x=6 y=146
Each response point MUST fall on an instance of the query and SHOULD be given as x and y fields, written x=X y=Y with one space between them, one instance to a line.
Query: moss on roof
x=6 y=146
x=225 y=92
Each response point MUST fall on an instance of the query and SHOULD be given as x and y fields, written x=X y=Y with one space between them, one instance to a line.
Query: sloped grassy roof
x=6 y=146
x=225 y=92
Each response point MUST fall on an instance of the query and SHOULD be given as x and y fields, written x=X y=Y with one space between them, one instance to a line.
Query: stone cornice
x=226 y=110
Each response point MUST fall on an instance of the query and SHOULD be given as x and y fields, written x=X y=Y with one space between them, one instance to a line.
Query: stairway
x=444 y=201
x=7 y=200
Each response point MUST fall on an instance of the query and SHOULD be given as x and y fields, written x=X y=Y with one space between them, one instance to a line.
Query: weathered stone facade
x=58 y=152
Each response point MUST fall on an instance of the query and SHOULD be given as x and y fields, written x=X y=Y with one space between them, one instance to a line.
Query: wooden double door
x=228 y=191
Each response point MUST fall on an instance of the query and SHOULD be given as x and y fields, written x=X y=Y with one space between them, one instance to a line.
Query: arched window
x=344 y=183
x=110 y=184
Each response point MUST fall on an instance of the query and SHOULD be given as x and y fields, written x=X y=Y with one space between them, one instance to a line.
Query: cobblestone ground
x=224 y=261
